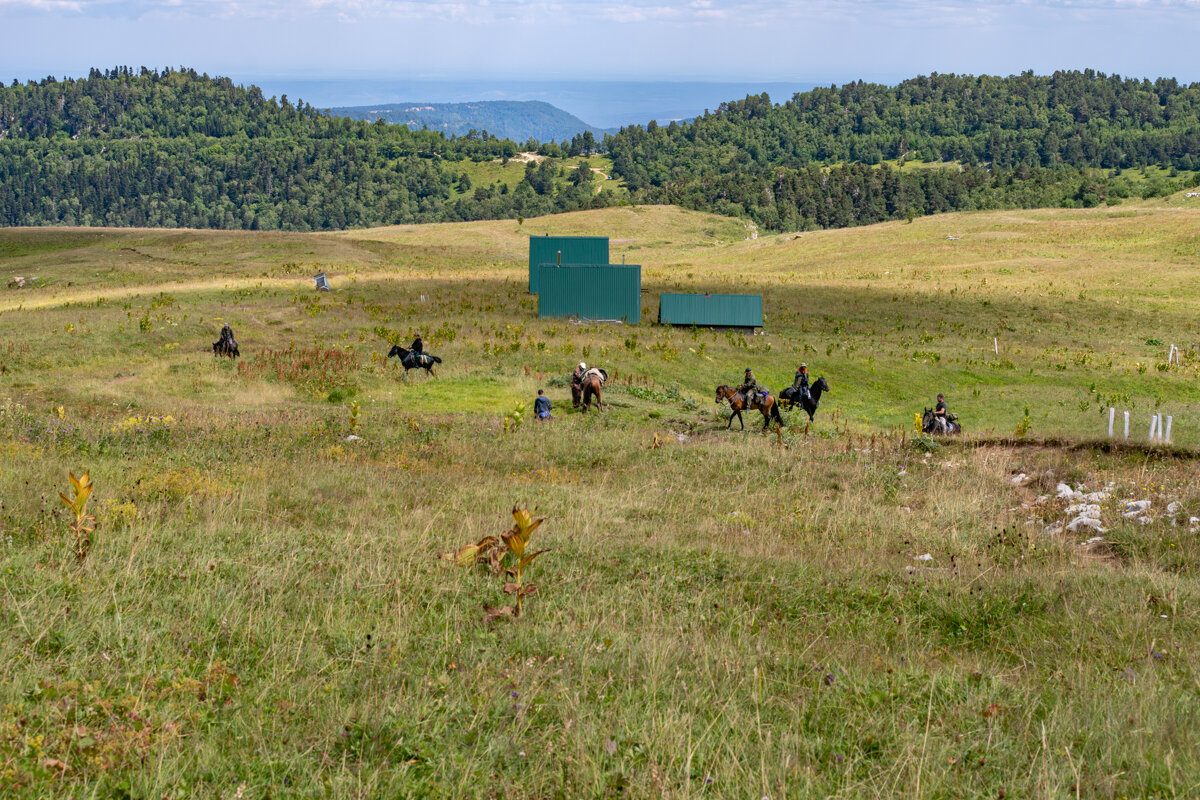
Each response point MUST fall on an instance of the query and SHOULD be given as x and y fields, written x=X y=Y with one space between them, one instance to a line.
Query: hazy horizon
x=738 y=41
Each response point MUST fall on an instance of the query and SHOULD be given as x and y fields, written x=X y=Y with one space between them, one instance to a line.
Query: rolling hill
x=519 y=121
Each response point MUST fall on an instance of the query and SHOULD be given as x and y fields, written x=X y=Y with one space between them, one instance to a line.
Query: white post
x=1126 y=424
x=1153 y=425
x=1112 y=413
x=1170 y=419
x=996 y=345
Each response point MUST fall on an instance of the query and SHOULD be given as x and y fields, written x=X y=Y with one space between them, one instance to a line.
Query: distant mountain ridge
x=518 y=120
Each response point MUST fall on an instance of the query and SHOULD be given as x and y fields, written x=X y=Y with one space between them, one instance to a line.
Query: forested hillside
x=176 y=148
x=508 y=119
x=1025 y=140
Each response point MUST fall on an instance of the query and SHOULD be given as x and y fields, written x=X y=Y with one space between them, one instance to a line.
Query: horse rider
x=942 y=414
x=418 y=346
x=227 y=333
x=749 y=386
x=800 y=383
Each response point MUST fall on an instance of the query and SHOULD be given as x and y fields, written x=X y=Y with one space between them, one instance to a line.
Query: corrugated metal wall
x=591 y=291
x=730 y=310
x=575 y=250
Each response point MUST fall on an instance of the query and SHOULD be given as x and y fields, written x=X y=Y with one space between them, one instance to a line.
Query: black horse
x=410 y=360
x=226 y=347
x=939 y=425
x=809 y=403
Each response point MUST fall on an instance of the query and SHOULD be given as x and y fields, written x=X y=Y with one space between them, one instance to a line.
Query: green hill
x=182 y=149
x=1024 y=140
x=518 y=121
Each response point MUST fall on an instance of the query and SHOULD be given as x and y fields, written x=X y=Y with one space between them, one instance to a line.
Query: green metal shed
x=573 y=250
x=607 y=292
x=711 y=310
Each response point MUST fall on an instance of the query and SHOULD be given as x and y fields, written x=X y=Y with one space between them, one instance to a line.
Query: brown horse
x=737 y=403
x=591 y=388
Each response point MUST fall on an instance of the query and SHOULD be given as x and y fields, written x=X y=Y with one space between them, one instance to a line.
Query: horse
x=938 y=425
x=809 y=403
x=410 y=360
x=590 y=384
x=577 y=388
x=737 y=402
x=226 y=347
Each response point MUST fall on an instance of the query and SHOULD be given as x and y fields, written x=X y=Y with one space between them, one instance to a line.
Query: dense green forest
x=177 y=148
x=1025 y=140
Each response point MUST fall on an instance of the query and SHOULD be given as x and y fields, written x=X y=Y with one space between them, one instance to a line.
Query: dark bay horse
x=410 y=360
x=226 y=347
x=809 y=403
x=591 y=384
x=737 y=403
x=938 y=425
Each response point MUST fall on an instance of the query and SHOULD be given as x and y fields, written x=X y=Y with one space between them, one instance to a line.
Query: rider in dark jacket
x=418 y=346
x=749 y=386
x=226 y=333
x=800 y=384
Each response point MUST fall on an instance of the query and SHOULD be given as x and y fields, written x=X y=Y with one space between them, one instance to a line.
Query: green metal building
x=607 y=292
x=564 y=250
x=711 y=310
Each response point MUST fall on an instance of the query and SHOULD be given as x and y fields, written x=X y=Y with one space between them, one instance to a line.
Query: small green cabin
x=711 y=310
x=597 y=292
x=564 y=250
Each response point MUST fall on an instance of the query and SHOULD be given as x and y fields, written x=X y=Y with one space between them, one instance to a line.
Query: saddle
x=597 y=373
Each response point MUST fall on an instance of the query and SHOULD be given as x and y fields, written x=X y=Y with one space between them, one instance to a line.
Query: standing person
x=542 y=406
x=577 y=383
x=418 y=346
x=800 y=383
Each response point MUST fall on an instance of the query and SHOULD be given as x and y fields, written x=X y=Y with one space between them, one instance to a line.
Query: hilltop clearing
x=840 y=609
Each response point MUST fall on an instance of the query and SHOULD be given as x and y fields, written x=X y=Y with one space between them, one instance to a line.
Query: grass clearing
x=720 y=614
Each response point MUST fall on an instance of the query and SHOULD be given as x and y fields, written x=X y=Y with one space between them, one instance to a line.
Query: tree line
x=174 y=147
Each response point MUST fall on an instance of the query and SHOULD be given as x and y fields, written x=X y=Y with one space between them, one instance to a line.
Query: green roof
x=573 y=250
x=712 y=310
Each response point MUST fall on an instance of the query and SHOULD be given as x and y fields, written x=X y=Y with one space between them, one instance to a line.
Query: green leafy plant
x=85 y=523
x=514 y=418
x=354 y=409
x=1022 y=429
x=507 y=554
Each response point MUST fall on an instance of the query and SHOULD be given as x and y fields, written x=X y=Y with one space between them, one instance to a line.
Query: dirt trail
x=26 y=300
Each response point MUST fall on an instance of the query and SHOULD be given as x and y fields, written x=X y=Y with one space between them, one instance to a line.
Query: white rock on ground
x=924 y=557
x=1084 y=510
x=1137 y=506
x=1081 y=523
x=1174 y=506
x=1020 y=480
x=1065 y=492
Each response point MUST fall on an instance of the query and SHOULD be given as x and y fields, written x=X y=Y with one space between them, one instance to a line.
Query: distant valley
x=507 y=119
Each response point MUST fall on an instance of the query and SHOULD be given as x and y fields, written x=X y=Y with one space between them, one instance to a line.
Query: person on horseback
x=227 y=333
x=800 y=383
x=418 y=346
x=944 y=416
x=749 y=387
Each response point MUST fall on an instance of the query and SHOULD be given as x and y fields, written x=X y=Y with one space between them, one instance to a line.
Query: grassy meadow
x=262 y=612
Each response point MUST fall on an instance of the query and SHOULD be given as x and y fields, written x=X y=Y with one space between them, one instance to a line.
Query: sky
x=811 y=41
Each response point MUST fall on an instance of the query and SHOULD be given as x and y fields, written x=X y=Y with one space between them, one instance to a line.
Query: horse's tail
x=775 y=412
x=436 y=360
